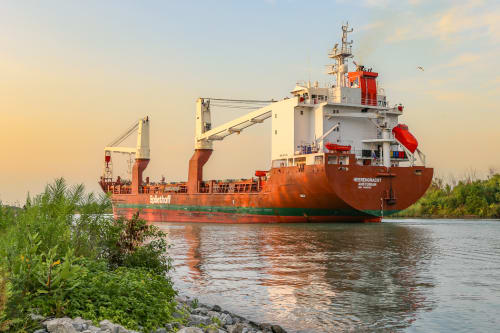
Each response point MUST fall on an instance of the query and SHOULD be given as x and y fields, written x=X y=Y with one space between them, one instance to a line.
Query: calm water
x=400 y=275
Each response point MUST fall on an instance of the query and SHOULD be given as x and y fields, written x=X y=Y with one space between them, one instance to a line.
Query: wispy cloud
x=464 y=59
x=471 y=19
x=376 y=3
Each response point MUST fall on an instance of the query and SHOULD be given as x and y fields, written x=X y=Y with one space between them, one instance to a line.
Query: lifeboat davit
x=405 y=137
x=334 y=146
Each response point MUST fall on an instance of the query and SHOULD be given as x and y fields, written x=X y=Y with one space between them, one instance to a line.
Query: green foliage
x=468 y=198
x=128 y=296
x=134 y=243
x=41 y=282
x=216 y=321
x=4 y=321
x=63 y=255
x=194 y=303
x=53 y=215
x=7 y=216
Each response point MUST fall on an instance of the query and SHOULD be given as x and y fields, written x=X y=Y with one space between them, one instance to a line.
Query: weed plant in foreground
x=62 y=255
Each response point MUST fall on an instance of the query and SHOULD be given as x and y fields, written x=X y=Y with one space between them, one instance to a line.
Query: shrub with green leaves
x=131 y=297
x=134 y=243
x=41 y=282
x=64 y=255
x=468 y=197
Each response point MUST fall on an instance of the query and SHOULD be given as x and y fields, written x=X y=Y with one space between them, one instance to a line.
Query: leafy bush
x=477 y=198
x=132 y=297
x=63 y=255
x=134 y=243
x=40 y=283
x=54 y=216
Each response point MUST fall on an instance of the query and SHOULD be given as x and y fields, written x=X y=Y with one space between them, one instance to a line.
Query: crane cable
x=125 y=135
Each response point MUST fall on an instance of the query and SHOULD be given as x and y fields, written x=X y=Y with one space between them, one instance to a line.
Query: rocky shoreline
x=191 y=317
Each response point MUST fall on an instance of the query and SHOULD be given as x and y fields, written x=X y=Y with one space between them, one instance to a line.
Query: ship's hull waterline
x=316 y=193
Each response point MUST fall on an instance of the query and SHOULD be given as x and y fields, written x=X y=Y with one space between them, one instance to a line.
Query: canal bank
x=191 y=317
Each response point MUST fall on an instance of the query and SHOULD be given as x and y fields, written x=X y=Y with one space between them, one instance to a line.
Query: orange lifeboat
x=336 y=147
x=405 y=137
x=260 y=173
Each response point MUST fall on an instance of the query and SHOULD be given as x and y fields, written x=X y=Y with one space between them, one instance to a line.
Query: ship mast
x=340 y=68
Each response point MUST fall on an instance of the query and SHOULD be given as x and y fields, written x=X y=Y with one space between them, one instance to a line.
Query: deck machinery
x=338 y=154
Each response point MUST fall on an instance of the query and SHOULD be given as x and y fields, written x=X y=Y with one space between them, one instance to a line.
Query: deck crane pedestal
x=205 y=135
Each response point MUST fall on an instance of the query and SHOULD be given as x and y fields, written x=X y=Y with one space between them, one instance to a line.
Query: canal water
x=409 y=275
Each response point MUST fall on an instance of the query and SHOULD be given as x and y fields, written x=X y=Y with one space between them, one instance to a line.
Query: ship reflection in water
x=312 y=278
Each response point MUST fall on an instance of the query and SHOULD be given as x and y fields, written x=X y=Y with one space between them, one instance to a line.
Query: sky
x=75 y=74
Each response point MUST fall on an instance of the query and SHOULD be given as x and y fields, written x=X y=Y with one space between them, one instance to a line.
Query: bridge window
x=332 y=160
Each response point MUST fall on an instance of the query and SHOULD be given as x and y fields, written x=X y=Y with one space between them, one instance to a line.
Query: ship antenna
x=340 y=55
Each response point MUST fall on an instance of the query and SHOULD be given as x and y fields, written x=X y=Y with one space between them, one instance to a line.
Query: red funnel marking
x=405 y=137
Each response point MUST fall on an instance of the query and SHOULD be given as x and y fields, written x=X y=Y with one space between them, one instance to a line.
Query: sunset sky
x=75 y=74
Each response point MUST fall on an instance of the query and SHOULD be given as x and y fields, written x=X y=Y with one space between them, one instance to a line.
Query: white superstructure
x=353 y=112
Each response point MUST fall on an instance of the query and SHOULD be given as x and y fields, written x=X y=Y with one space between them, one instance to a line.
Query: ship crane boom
x=321 y=138
x=141 y=150
x=205 y=134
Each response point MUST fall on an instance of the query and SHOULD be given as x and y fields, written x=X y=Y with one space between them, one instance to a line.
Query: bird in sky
x=421 y=68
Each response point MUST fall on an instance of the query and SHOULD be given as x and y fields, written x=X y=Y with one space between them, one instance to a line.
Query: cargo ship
x=338 y=154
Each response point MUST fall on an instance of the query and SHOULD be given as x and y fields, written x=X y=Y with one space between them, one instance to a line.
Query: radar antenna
x=340 y=55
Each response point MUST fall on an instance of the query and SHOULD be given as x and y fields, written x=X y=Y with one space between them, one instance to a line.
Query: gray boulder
x=214 y=330
x=195 y=320
x=190 y=330
x=238 y=328
x=91 y=329
x=225 y=319
x=60 y=325
x=213 y=314
x=106 y=325
x=181 y=299
x=161 y=330
x=81 y=324
x=200 y=311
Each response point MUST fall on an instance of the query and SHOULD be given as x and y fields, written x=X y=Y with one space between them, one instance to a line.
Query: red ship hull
x=311 y=193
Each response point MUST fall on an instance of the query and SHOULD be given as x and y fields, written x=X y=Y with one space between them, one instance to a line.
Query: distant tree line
x=466 y=197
